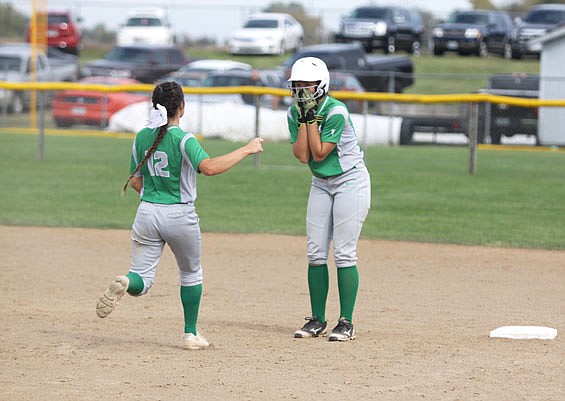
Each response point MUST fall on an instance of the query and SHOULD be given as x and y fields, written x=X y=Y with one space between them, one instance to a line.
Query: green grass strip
x=420 y=193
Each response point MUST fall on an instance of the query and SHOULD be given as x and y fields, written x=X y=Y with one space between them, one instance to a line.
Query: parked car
x=195 y=72
x=146 y=26
x=63 y=32
x=347 y=82
x=266 y=78
x=388 y=28
x=267 y=33
x=15 y=66
x=86 y=107
x=146 y=63
x=377 y=73
x=540 y=19
x=506 y=120
x=474 y=32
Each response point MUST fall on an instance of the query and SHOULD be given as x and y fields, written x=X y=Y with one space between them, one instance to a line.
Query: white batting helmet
x=311 y=69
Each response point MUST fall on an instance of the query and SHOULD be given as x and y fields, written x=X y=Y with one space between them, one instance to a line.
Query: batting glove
x=306 y=107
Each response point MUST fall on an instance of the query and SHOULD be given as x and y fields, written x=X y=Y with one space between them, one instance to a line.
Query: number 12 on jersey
x=158 y=163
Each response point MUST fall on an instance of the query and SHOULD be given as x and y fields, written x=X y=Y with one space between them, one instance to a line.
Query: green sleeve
x=333 y=128
x=292 y=120
x=195 y=152
x=133 y=163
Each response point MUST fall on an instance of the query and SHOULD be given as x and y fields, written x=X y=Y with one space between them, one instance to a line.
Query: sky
x=218 y=18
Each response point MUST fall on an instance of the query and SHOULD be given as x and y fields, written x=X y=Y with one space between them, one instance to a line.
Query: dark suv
x=537 y=22
x=142 y=62
x=474 y=32
x=388 y=28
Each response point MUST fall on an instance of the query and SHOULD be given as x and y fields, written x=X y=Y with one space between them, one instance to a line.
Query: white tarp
x=235 y=121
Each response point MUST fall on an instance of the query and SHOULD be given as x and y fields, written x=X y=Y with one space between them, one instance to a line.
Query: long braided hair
x=168 y=94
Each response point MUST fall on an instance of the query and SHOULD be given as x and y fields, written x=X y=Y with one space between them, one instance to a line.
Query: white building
x=551 y=120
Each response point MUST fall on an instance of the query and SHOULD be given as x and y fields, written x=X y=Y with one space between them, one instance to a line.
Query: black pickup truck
x=379 y=73
x=494 y=120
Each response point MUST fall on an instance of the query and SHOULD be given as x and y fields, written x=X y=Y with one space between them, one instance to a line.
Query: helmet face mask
x=309 y=70
x=297 y=91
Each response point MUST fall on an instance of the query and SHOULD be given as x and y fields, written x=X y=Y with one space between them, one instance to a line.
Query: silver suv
x=389 y=28
x=539 y=20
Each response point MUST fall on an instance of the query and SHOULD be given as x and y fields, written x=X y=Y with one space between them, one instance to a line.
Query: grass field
x=420 y=193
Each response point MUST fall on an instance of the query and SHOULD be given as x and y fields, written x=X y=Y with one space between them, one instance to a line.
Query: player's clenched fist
x=255 y=145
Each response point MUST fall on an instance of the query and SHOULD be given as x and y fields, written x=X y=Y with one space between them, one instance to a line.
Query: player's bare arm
x=220 y=164
x=136 y=183
x=300 y=148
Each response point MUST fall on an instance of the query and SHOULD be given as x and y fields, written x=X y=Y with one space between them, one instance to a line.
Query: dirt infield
x=423 y=316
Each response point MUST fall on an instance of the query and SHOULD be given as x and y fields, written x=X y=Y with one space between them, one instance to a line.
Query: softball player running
x=164 y=163
x=322 y=135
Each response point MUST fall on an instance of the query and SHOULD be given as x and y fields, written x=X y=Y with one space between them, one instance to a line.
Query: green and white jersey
x=335 y=127
x=169 y=175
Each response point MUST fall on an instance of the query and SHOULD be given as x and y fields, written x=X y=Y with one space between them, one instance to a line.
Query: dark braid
x=169 y=95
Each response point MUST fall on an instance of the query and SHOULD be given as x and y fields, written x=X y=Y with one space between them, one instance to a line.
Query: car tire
x=406 y=132
x=495 y=136
x=437 y=52
x=390 y=45
x=482 y=51
x=508 y=53
x=416 y=48
x=17 y=106
x=516 y=55
x=62 y=123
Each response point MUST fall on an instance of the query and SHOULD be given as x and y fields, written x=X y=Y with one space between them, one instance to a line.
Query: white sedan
x=267 y=33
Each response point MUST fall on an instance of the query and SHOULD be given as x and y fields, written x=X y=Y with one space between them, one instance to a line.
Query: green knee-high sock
x=190 y=298
x=348 y=283
x=318 y=283
x=135 y=284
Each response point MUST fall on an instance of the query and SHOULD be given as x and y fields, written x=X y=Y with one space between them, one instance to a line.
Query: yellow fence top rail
x=259 y=90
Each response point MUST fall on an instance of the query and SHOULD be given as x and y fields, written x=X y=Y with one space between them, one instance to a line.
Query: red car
x=63 y=32
x=85 y=107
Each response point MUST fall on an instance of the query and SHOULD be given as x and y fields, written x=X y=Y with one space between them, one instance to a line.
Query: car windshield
x=144 y=22
x=475 y=19
x=546 y=17
x=130 y=54
x=57 y=19
x=371 y=13
x=262 y=23
x=226 y=80
x=9 y=63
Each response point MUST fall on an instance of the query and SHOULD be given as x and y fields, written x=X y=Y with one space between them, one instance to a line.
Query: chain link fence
x=380 y=118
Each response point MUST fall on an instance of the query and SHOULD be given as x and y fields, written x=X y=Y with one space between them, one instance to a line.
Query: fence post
x=41 y=125
x=473 y=135
x=391 y=89
x=256 y=158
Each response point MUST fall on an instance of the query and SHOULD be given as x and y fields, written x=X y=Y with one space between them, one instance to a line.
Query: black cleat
x=344 y=331
x=314 y=328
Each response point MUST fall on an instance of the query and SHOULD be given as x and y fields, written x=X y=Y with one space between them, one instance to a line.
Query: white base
x=524 y=332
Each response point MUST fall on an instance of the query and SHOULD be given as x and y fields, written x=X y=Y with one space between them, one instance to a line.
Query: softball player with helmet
x=164 y=164
x=322 y=135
